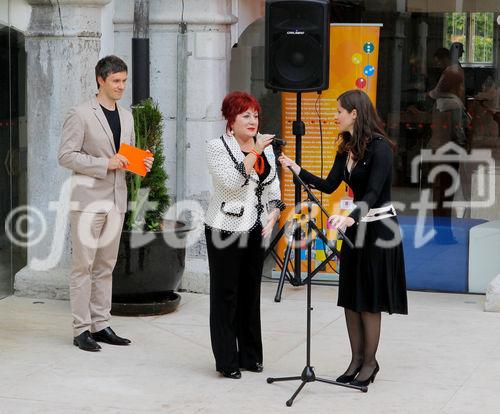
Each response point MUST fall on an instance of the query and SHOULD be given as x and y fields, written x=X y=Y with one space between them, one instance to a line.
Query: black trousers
x=235 y=279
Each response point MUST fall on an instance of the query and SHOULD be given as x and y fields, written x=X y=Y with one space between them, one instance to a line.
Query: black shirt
x=113 y=118
x=370 y=178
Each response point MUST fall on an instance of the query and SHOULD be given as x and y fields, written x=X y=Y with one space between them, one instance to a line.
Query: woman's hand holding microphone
x=254 y=159
x=262 y=141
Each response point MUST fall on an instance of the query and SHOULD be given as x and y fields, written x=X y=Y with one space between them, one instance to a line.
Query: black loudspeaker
x=297 y=45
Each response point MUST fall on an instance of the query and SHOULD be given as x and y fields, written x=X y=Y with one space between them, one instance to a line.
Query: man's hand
x=148 y=162
x=117 y=161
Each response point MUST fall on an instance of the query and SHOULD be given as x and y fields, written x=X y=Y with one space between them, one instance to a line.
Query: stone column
x=209 y=35
x=62 y=46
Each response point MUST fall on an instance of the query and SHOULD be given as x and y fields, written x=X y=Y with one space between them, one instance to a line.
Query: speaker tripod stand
x=290 y=229
x=294 y=278
x=308 y=374
x=294 y=236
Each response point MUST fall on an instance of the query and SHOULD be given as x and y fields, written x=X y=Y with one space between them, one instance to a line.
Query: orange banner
x=353 y=64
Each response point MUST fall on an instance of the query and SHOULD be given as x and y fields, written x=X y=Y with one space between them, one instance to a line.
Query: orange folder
x=135 y=157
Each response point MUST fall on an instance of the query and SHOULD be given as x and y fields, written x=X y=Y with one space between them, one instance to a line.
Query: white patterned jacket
x=239 y=201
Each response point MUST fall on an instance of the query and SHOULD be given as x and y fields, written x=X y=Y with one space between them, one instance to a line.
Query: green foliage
x=483 y=37
x=478 y=40
x=483 y=49
x=455 y=25
x=142 y=192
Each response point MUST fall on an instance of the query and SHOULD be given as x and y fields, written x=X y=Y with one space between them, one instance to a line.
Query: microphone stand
x=308 y=374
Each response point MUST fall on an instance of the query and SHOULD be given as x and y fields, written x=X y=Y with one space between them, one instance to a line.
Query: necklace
x=347 y=177
x=349 y=171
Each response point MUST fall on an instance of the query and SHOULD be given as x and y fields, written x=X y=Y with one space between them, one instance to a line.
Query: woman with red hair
x=245 y=205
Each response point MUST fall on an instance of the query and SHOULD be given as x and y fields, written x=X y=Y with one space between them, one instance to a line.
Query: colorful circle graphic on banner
x=369 y=47
x=361 y=83
x=369 y=70
x=356 y=58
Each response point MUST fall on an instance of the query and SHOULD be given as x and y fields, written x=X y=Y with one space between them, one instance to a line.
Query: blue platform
x=442 y=263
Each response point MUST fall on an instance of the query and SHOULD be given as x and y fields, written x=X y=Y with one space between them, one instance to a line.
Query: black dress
x=372 y=274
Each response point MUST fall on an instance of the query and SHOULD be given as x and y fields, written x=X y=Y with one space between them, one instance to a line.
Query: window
x=474 y=31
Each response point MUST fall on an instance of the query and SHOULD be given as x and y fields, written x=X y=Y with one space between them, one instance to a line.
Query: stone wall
x=208 y=44
x=62 y=50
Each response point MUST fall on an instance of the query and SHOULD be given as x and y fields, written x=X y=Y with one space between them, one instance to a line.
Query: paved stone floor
x=444 y=357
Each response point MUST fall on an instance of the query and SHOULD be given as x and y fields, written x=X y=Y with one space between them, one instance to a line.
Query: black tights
x=364 y=334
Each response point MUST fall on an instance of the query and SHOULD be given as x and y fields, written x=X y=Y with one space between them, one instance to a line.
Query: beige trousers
x=96 y=239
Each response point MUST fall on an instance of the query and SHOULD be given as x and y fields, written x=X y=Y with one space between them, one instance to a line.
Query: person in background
x=450 y=119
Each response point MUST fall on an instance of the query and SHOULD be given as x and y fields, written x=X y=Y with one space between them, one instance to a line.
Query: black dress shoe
x=257 y=367
x=107 y=335
x=346 y=379
x=85 y=342
x=231 y=374
x=366 y=382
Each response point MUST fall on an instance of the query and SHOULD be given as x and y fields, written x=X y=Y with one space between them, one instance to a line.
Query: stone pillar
x=209 y=35
x=62 y=46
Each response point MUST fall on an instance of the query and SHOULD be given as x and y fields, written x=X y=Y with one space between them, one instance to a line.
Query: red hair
x=236 y=103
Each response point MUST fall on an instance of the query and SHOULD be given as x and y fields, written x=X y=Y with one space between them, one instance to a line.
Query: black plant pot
x=145 y=277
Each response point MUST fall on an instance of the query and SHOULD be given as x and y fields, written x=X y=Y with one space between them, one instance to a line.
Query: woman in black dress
x=372 y=274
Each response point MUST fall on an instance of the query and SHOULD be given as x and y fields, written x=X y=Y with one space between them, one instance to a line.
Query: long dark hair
x=366 y=125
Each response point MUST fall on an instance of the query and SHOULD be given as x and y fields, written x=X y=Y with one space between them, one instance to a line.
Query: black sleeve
x=331 y=183
x=380 y=170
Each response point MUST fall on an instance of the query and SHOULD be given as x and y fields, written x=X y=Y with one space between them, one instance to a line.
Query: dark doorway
x=13 y=150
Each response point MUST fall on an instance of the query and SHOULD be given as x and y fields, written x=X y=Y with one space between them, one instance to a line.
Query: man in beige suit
x=91 y=136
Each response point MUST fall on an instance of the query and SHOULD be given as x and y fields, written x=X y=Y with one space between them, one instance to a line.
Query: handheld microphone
x=277 y=141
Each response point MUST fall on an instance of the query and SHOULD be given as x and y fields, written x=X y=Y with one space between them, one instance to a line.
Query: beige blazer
x=86 y=146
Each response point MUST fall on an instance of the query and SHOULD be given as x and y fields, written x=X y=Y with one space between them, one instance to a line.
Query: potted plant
x=149 y=267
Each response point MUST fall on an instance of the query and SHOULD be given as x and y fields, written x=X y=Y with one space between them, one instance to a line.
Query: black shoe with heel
x=236 y=374
x=366 y=382
x=257 y=367
x=346 y=379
